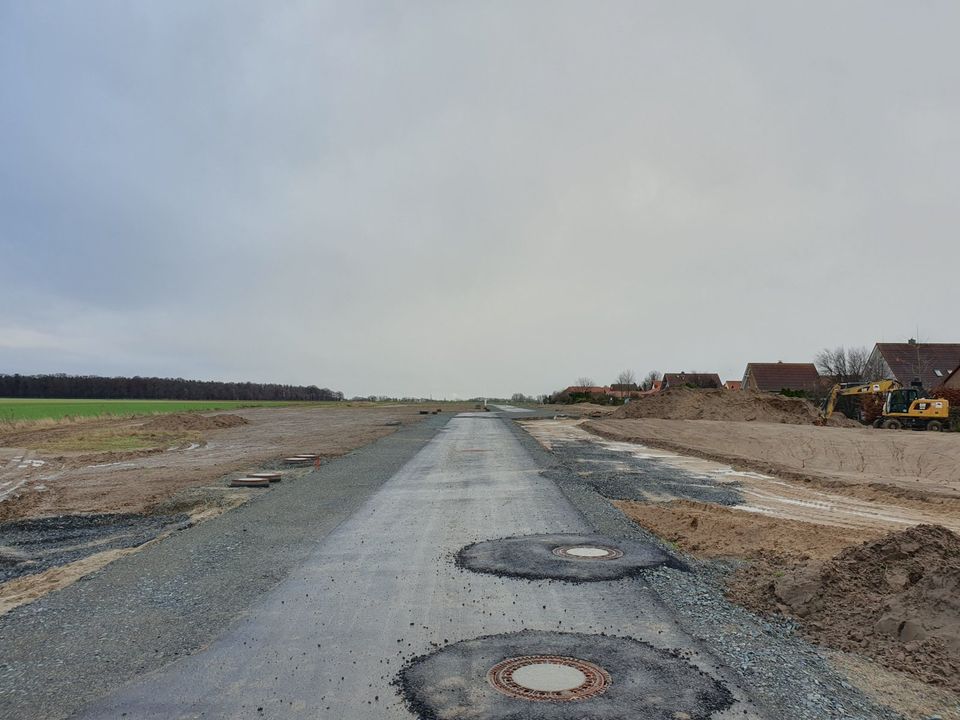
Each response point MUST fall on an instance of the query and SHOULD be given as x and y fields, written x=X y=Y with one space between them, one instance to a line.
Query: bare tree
x=627 y=380
x=843 y=365
x=651 y=378
x=584 y=381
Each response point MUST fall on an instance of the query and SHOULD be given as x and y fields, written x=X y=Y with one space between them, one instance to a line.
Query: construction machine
x=902 y=407
x=907 y=408
x=843 y=390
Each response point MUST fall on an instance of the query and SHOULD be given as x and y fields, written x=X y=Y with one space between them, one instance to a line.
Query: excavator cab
x=899 y=401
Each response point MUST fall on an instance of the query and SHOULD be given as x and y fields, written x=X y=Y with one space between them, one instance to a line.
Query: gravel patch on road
x=781 y=671
x=535 y=557
x=174 y=597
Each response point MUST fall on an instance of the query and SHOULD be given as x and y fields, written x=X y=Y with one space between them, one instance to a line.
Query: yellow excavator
x=902 y=407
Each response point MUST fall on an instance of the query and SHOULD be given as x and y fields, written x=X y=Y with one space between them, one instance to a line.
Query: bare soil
x=715 y=531
x=875 y=463
x=842 y=529
x=730 y=405
x=38 y=483
x=895 y=599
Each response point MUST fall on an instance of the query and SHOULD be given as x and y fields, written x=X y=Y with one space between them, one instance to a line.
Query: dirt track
x=923 y=464
x=36 y=484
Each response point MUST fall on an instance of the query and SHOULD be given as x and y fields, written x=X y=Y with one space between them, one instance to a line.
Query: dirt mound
x=737 y=406
x=707 y=530
x=193 y=422
x=896 y=599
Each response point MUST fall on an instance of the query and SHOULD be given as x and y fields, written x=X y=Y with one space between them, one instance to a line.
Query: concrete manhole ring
x=543 y=675
x=573 y=558
x=587 y=552
x=548 y=678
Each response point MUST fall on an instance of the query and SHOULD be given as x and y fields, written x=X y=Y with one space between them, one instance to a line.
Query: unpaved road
x=906 y=462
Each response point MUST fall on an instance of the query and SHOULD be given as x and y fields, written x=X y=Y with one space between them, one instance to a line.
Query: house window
x=938 y=373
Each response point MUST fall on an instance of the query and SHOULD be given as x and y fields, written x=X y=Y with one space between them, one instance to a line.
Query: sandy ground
x=847 y=502
x=36 y=483
x=808 y=496
x=919 y=463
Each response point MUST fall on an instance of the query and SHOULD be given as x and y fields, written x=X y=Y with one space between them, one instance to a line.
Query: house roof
x=700 y=380
x=773 y=377
x=955 y=375
x=586 y=389
x=931 y=362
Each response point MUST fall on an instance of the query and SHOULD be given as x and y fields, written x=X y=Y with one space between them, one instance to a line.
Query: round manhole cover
x=564 y=557
x=545 y=675
x=548 y=678
x=587 y=552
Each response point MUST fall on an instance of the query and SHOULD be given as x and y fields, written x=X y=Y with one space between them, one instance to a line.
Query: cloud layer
x=471 y=198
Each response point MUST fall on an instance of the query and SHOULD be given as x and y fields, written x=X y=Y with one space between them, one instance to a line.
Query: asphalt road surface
x=331 y=640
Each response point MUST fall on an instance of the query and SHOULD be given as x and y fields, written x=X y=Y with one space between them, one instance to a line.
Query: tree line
x=93 y=387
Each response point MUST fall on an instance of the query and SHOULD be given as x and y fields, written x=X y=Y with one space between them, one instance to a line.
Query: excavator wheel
x=935 y=426
x=891 y=424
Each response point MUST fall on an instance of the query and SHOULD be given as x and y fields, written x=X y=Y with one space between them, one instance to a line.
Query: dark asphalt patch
x=646 y=683
x=534 y=557
x=28 y=547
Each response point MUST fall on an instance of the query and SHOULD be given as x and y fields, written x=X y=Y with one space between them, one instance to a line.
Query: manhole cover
x=587 y=552
x=564 y=557
x=538 y=675
x=548 y=678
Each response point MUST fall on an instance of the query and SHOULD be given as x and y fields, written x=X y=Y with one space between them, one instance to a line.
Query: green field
x=17 y=409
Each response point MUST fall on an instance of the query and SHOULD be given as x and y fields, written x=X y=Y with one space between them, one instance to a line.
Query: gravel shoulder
x=175 y=596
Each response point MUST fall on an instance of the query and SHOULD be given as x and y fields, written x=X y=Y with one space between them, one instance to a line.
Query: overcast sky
x=464 y=198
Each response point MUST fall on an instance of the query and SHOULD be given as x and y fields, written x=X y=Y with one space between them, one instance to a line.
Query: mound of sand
x=714 y=531
x=896 y=599
x=738 y=406
x=193 y=422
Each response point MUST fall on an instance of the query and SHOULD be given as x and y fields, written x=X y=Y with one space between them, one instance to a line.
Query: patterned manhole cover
x=587 y=552
x=548 y=678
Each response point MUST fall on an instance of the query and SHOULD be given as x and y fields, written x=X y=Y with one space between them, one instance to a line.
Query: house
x=733 y=384
x=585 y=390
x=621 y=390
x=697 y=380
x=953 y=379
x=779 y=376
x=930 y=364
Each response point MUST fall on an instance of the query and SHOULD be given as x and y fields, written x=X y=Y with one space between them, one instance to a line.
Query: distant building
x=953 y=379
x=733 y=384
x=697 y=380
x=585 y=390
x=927 y=363
x=778 y=376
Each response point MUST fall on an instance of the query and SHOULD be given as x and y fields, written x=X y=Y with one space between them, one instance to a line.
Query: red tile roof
x=774 y=377
x=908 y=361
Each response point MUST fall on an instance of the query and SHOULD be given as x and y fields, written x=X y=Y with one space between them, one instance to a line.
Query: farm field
x=19 y=409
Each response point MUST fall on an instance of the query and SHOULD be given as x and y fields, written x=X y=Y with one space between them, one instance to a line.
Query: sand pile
x=896 y=599
x=193 y=422
x=738 y=406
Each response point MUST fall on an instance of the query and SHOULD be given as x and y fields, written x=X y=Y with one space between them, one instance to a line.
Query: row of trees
x=152 y=388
